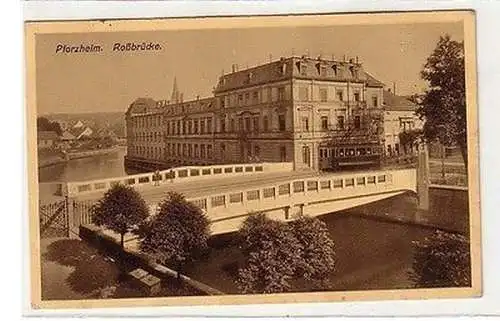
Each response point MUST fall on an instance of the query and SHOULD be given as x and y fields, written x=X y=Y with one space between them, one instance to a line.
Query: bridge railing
x=172 y=175
x=306 y=191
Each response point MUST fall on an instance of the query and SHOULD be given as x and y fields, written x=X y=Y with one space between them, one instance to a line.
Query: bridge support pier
x=423 y=178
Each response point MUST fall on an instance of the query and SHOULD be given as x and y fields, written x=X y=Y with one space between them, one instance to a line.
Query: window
x=353 y=72
x=256 y=152
x=222 y=125
x=256 y=124
x=240 y=99
x=323 y=94
x=233 y=129
x=322 y=70
x=303 y=69
x=265 y=122
x=209 y=152
x=375 y=101
x=209 y=125
x=340 y=95
x=283 y=153
x=190 y=150
x=196 y=152
x=305 y=124
x=247 y=97
x=240 y=124
x=247 y=124
x=281 y=93
x=357 y=122
x=195 y=130
x=356 y=96
x=203 y=151
x=269 y=94
x=202 y=126
x=335 y=69
x=324 y=122
x=184 y=150
x=178 y=149
x=255 y=96
x=222 y=103
x=303 y=93
x=340 y=122
x=283 y=69
x=282 y=124
x=306 y=155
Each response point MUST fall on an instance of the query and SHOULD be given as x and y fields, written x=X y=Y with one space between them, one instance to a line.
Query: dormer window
x=303 y=69
x=353 y=73
x=335 y=69
x=283 y=69
x=249 y=76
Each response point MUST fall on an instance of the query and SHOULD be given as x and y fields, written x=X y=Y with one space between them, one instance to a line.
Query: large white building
x=295 y=109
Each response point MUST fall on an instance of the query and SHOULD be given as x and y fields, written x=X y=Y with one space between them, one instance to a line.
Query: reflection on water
x=96 y=167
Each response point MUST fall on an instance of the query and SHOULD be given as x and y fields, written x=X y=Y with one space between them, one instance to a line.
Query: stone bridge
x=229 y=193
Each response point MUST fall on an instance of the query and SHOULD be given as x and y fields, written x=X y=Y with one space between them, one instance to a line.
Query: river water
x=82 y=169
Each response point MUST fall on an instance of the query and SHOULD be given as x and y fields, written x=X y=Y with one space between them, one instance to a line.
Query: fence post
x=423 y=178
x=69 y=204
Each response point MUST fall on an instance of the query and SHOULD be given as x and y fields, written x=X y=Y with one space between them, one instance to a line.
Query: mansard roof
x=300 y=68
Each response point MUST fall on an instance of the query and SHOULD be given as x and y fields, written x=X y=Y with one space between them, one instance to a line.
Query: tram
x=345 y=157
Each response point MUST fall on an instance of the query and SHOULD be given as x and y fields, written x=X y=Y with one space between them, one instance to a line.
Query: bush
x=442 y=260
x=272 y=254
x=279 y=252
x=178 y=233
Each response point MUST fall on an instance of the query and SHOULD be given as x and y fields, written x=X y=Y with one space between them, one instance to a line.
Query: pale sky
x=110 y=81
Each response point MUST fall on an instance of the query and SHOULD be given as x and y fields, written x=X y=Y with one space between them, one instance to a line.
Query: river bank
x=46 y=159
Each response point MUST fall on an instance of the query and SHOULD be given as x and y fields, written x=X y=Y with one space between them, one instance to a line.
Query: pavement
x=203 y=187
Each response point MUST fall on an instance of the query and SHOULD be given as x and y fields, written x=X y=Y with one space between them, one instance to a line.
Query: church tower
x=176 y=96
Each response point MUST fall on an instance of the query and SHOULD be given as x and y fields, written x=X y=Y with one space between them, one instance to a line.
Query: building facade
x=294 y=109
x=399 y=116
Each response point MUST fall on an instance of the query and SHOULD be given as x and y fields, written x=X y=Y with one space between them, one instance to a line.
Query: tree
x=442 y=260
x=318 y=249
x=409 y=137
x=43 y=124
x=121 y=209
x=443 y=105
x=272 y=253
x=177 y=233
x=280 y=252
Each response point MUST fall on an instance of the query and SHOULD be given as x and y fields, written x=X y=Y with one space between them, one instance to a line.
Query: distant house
x=399 y=116
x=79 y=124
x=47 y=139
x=81 y=132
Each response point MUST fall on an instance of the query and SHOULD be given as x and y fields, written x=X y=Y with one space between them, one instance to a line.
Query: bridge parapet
x=187 y=173
x=312 y=196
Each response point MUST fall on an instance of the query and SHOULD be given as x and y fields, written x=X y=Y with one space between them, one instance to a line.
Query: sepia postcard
x=253 y=159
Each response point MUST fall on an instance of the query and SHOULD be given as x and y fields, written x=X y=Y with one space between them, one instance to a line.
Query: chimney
x=345 y=58
x=197 y=97
x=233 y=68
x=357 y=60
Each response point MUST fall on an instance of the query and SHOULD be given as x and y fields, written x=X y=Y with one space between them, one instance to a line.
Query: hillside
x=114 y=121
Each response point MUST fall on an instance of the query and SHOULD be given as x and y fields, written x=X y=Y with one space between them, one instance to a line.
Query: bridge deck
x=197 y=188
